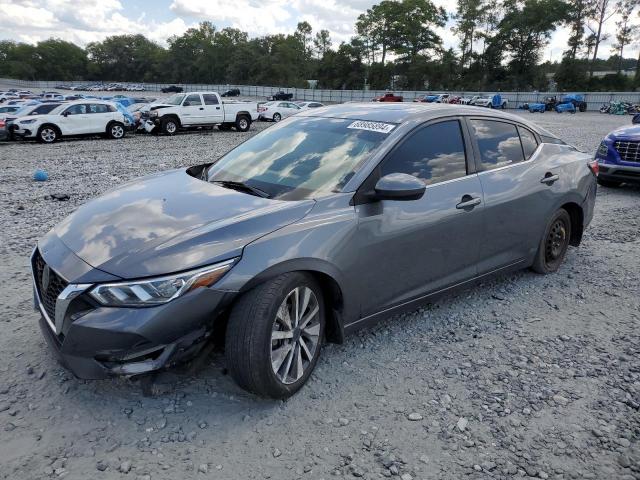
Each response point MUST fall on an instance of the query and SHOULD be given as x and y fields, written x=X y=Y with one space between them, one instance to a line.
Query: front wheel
x=274 y=335
x=554 y=244
x=169 y=126
x=115 y=130
x=47 y=134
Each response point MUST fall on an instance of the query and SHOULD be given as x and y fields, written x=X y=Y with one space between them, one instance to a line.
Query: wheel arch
x=327 y=276
x=577 y=222
x=243 y=113
x=52 y=125
x=173 y=116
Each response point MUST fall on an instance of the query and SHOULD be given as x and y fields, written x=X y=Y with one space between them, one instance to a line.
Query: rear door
x=411 y=248
x=213 y=111
x=516 y=197
x=192 y=110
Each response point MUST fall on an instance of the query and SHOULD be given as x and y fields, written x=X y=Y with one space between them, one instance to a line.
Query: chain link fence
x=516 y=99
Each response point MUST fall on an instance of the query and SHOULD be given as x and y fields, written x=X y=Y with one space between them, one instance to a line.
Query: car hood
x=170 y=222
x=631 y=132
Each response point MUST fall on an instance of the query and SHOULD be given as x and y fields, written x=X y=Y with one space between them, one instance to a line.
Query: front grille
x=628 y=151
x=56 y=285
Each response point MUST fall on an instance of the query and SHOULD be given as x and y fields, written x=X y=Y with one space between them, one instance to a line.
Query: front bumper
x=96 y=342
x=618 y=173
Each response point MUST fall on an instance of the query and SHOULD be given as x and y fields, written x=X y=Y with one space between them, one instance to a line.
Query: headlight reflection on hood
x=159 y=290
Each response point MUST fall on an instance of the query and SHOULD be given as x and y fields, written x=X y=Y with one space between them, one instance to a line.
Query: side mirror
x=399 y=186
x=65 y=114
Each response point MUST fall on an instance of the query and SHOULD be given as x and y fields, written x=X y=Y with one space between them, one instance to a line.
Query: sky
x=84 y=21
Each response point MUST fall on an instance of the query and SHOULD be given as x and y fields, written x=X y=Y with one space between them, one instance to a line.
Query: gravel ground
x=523 y=376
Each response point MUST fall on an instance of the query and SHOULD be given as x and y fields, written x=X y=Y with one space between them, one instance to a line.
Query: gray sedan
x=324 y=223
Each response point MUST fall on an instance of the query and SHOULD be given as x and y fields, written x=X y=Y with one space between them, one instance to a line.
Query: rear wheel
x=554 y=244
x=48 y=134
x=274 y=335
x=169 y=126
x=277 y=117
x=115 y=130
x=243 y=123
x=608 y=183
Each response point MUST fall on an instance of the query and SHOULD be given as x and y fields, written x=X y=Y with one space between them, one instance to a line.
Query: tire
x=115 y=131
x=48 y=134
x=554 y=244
x=243 y=123
x=252 y=352
x=608 y=183
x=582 y=107
x=225 y=127
x=277 y=117
x=169 y=126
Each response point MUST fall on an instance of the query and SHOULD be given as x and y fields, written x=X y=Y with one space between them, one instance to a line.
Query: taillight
x=593 y=166
x=2 y=123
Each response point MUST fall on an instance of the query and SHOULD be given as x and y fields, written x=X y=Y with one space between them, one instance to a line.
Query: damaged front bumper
x=96 y=342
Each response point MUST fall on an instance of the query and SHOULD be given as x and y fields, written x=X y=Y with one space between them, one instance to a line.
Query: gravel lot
x=523 y=376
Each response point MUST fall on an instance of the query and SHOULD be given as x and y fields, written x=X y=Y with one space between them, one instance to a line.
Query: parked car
x=4 y=133
x=428 y=98
x=307 y=105
x=8 y=109
x=389 y=97
x=469 y=100
x=82 y=117
x=618 y=157
x=200 y=109
x=233 y=92
x=276 y=111
x=329 y=221
x=172 y=89
x=6 y=96
x=280 y=96
x=27 y=111
x=491 y=101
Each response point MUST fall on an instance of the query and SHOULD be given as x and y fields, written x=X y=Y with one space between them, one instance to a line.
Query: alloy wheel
x=48 y=135
x=295 y=335
x=242 y=123
x=117 y=131
x=171 y=127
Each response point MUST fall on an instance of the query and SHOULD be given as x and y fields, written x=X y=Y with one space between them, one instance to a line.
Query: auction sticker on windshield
x=372 y=126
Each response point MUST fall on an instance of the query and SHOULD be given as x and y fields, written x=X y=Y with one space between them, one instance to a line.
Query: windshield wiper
x=243 y=187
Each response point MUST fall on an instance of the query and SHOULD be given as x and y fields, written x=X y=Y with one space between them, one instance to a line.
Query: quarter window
x=498 y=142
x=192 y=101
x=529 y=142
x=433 y=154
x=210 y=99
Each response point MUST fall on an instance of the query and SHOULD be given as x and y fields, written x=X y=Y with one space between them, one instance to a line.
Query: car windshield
x=174 y=99
x=305 y=157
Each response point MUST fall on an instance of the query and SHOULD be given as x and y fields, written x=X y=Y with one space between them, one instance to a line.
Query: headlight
x=603 y=149
x=31 y=120
x=159 y=290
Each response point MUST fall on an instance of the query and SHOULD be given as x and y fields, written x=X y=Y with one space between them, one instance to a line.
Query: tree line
x=396 y=45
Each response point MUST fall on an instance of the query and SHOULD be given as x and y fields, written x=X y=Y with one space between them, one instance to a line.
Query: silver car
x=324 y=223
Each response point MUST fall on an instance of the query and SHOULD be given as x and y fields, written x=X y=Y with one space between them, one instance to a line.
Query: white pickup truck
x=198 y=109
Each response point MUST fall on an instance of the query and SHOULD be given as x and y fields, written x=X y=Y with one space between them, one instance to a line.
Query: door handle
x=468 y=202
x=201 y=108
x=217 y=108
x=549 y=178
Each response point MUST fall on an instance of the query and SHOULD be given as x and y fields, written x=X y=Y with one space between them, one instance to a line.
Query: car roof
x=404 y=112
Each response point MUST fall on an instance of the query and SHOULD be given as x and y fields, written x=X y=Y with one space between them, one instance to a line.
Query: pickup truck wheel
x=277 y=117
x=274 y=335
x=115 y=130
x=169 y=126
x=243 y=123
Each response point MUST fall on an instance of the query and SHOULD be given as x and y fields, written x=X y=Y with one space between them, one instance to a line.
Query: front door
x=411 y=248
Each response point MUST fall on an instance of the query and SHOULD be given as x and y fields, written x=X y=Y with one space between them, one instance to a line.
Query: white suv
x=82 y=117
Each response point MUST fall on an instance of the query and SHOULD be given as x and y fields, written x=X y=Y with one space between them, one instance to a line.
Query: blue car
x=618 y=157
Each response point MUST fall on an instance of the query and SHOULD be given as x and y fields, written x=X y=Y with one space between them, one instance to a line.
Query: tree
x=60 y=60
x=625 y=31
x=322 y=43
x=468 y=16
x=578 y=12
x=376 y=27
x=600 y=14
x=124 y=58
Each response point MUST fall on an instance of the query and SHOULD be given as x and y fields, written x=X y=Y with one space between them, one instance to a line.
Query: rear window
x=498 y=142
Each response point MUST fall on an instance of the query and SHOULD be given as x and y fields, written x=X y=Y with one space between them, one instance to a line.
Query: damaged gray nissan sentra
x=332 y=219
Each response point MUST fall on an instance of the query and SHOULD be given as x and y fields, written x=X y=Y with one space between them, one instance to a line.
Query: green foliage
x=396 y=46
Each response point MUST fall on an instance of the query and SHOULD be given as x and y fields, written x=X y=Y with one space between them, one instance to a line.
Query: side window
x=210 y=99
x=97 y=108
x=192 y=100
x=529 y=142
x=77 y=109
x=499 y=143
x=434 y=154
